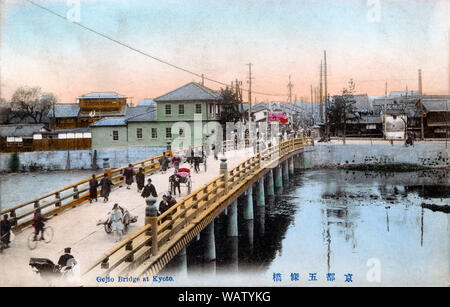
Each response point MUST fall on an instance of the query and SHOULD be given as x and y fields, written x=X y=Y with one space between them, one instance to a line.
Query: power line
x=137 y=50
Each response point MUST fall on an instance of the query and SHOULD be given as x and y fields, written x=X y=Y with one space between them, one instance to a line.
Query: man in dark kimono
x=175 y=183
x=5 y=228
x=63 y=260
x=140 y=179
x=128 y=174
x=93 y=185
x=105 y=185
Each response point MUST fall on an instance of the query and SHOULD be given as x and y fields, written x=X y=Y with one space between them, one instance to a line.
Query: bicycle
x=47 y=235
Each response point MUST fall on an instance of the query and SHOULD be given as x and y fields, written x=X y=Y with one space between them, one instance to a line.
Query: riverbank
x=379 y=154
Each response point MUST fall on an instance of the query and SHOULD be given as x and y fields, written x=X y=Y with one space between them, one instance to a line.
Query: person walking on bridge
x=116 y=222
x=128 y=174
x=38 y=224
x=93 y=185
x=140 y=179
x=106 y=185
x=149 y=190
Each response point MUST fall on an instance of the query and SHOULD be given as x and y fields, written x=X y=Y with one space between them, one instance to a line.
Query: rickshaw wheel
x=108 y=228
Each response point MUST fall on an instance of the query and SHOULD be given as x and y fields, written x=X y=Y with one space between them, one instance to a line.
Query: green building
x=184 y=116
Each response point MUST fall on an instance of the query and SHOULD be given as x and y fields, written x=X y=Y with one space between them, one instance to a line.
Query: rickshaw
x=184 y=177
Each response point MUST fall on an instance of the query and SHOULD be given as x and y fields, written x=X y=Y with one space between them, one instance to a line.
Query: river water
x=336 y=227
x=17 y=188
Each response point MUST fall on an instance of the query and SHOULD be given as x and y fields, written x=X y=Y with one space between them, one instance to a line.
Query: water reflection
x=335 y=221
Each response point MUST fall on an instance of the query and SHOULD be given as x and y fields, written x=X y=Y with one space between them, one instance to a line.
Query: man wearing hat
x=64 y=259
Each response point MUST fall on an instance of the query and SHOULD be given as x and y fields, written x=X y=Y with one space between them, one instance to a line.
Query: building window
x=168 y=109
x=115 y=135
x=168 y=133
x=154 y=133
x=181 y=109
x=181 y=132
x=139 y=133
x=198 y=108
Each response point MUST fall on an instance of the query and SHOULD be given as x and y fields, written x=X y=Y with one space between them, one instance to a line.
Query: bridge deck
x=76 y=228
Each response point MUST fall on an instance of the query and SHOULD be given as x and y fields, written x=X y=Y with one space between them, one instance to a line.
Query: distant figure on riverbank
x=93 y=185
x=5 y=228
x=140 y=179
x=128 y=174
x=105 y=185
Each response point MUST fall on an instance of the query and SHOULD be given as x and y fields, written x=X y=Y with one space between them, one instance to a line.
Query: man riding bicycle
x=38 y=224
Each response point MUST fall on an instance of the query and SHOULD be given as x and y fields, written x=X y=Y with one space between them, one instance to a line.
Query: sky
x=370 y=41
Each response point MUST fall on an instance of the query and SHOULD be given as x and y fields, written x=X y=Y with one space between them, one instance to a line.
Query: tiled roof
x=24 y=130
x=110 y=122
x=190 y=92
x=65 y=110
x=146 y=102
x=436 y=105
x=101 y=95
x=149 y=115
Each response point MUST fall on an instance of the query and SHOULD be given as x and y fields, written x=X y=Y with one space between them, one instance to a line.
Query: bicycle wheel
x=48 y=234
x=31 y=242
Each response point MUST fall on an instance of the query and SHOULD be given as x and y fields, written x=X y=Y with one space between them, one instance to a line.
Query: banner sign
x=282 y=118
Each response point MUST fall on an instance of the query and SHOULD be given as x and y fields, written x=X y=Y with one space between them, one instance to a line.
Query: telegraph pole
x=249 y=94
x=321 y=93
x=326 y=93
x=290 y=86
x=421 y=107
x=203 y=80
x=384 y=112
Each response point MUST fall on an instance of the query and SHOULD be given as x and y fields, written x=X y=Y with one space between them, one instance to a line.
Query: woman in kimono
x=140 y=179
x=116 y=222
x=106 y=185
x=93 y=185
x=128 y=174
x=176 y=162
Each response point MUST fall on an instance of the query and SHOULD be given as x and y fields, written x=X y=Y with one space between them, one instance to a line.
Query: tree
x=31 y=102
x=14 y=162
x=230 y=105
x=343 y=108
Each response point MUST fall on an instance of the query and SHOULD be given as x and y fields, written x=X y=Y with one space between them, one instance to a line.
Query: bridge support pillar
x=291 y=166
x=285 y=171
x=210 y=243
x=248 y=208
x=278 y=177
x=232 y=227
x=261 y=199
x=260 y=220
x=270 y=189
x=179 y=264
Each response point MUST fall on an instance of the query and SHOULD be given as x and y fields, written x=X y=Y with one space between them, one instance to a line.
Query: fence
x=29 y=145
x=72 y=195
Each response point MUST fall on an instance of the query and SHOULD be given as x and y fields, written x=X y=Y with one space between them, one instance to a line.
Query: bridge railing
x=74 y=194
x=155 y=237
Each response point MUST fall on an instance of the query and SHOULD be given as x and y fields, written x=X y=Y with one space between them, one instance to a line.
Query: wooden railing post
x=75 y=190
x=151 y=217
x=58 y=197
x=224 y=172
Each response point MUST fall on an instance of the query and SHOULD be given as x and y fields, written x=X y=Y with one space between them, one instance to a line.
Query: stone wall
x=334 y=154
x=82 y=159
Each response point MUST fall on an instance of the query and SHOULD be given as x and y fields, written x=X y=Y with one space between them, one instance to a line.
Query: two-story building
x=171 y=116
x=87 y=110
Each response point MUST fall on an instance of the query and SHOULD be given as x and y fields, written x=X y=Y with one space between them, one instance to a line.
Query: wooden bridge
x=146 y=251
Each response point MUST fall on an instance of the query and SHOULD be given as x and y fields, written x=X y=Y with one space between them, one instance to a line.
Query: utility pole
x=203 y=80
x=290 y=86
x=321 y=93
x=249 y=94
x=326 y=94
x=421 y=106
x=384 y=112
